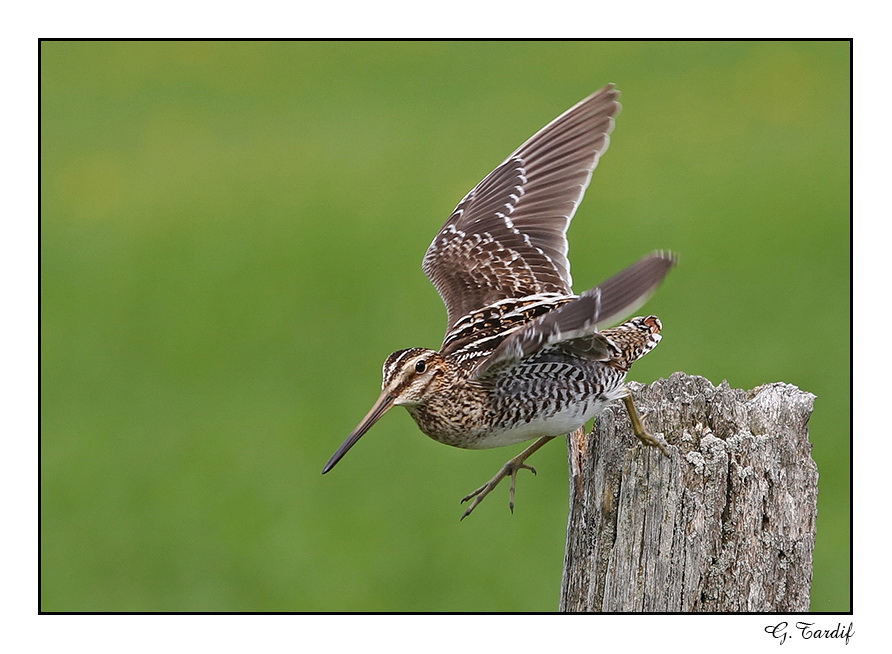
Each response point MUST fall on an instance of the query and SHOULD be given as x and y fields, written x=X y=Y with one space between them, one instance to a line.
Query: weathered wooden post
x=725 y=523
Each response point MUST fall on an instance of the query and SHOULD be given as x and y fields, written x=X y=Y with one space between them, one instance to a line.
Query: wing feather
x=575 y=324
x=507 y=237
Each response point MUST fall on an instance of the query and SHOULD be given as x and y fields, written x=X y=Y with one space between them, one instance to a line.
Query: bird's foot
x=640 y=431
x=510 y=468
x=652 y=440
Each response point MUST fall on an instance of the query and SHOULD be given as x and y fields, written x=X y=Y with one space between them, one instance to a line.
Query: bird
x=524 y=357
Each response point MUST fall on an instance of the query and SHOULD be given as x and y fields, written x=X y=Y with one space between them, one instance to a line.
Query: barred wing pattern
x=507 y=237
x=575 y=324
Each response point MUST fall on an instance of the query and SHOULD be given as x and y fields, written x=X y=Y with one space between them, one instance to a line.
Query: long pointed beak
x=378 y=409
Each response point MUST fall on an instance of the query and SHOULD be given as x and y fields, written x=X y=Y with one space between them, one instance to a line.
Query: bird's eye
x=420 y=367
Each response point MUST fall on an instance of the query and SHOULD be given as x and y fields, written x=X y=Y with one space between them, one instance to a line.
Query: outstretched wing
x=574 y=325
x=507 y=237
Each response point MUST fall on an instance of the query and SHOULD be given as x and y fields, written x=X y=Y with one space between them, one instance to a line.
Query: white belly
x=563 y=422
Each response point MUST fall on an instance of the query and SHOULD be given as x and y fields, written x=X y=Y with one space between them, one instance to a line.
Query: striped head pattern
x=409 y=375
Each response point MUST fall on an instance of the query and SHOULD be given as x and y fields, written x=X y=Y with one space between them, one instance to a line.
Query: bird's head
x=409 y=377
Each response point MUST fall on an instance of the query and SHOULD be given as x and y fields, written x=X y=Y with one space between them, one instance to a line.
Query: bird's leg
x=511 y=468
x=638 y=427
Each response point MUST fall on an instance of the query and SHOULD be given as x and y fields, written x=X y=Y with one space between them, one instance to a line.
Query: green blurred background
x=231 y=241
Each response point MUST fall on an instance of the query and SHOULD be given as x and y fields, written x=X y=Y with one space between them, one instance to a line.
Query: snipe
x=523 y=357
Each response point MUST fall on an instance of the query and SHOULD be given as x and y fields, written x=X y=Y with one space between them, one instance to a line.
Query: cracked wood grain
x=725 y=523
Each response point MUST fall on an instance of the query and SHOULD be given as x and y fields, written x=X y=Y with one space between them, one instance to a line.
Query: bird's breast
x=513 y=411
